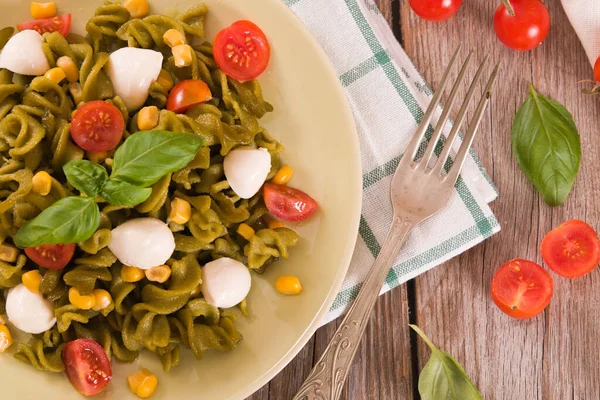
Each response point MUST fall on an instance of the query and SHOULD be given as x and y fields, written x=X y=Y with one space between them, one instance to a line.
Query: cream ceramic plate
x=314 y=122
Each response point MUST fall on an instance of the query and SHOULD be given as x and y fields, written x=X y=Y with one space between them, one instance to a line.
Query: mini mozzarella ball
x=28 y=311
x=246 y=169
x=23 y=54
x=132 y=71
x=225 y=282
x=142 y=242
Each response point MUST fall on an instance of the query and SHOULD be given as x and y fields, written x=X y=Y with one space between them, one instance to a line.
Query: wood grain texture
x=551 y=357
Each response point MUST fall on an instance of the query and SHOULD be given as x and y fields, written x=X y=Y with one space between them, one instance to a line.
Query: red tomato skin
x=241 y=62
x=48 y=25
x=62 y=253
x=287 y=203
x=597 y=70
x=435 y=10
x=87 y=354
x=512 y=292
x=572 y=249
x=186 y=94
x=104 y=138
x=527 y=29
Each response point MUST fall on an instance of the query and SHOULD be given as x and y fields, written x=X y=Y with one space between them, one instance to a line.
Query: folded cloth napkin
x=388 y=97
x=585 y=18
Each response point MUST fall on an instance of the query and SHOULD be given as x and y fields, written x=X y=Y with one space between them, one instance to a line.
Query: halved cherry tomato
x=522 y=289
x=597 y=70
x=242 y=50
x=87 y=366
x=288 y=203
x=97 y=126
x=51 y=256
x=527 y=29
x=186 y=94
x=572 y=249
x=435 y=10
x=60 y=23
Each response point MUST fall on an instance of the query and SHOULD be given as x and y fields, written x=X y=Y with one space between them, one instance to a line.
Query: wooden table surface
x=552 y=356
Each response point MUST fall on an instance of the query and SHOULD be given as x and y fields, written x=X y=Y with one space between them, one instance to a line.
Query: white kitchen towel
x=388 y=97
x=585 y=18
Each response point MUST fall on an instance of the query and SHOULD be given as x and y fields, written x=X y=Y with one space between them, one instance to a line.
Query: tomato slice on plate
x=288 y=203
x=87 y=366
x=522 y=289
x=242 y=50
x=60 y=23
x=572 y=249
x=97 y=126
x=186 y=94
x=51 y=256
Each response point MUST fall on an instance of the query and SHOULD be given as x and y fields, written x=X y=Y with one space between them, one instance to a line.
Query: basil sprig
x=546 y=144
x=443 y=377
x=141 y=161
x=69 y=220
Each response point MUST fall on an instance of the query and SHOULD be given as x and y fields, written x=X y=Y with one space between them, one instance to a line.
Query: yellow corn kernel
x=131 y=274
x=102 y=299
x=181 y=211
x=182 y=55
x=5 y=338
x=98 y=158
x=109 y=162
x=84 y=302
x=31 y=280
x=76 y=92
x=274 y=224
x=158 y=274
x=137 y=8
x=165 y=80
x=289 y=285
x=143 y=383
x=173 y=38
x=283 y=176
x=43 y=10
x=56 y=75
x=69 y=67
x=245 y=231
x=42 y=183
x=8 y=253
x=147 y=118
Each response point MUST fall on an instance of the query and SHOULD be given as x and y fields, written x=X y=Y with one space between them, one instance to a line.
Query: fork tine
x=437 y=169
x=459 y=160
x=415 y=142
x=444 y=117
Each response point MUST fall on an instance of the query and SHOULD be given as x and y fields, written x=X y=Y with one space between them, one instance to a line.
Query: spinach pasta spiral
x=35 y=136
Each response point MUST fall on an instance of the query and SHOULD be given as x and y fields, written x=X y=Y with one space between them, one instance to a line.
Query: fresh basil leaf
x=124 y=194
x=86 y=176
x=147 y=156
x=443 y=377
x=547 y=146
x=69 y=220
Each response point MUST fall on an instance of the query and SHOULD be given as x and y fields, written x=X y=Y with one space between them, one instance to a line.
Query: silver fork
x=418 y=191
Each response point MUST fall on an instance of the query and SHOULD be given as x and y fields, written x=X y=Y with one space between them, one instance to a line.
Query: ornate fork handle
x=326 y=380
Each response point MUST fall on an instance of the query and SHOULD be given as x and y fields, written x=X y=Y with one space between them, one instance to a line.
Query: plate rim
x=356 y=169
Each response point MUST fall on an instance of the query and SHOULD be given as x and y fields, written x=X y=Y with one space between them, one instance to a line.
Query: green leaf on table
x=443 y=377
x=86 y=176
x=69 y=220
x=147 y=156
x=547 y=146
x=124 y=194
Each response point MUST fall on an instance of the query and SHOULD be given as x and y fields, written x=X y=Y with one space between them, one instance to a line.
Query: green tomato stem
x=509 y=7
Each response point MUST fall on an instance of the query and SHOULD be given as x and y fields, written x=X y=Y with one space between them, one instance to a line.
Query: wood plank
x=547 y=357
